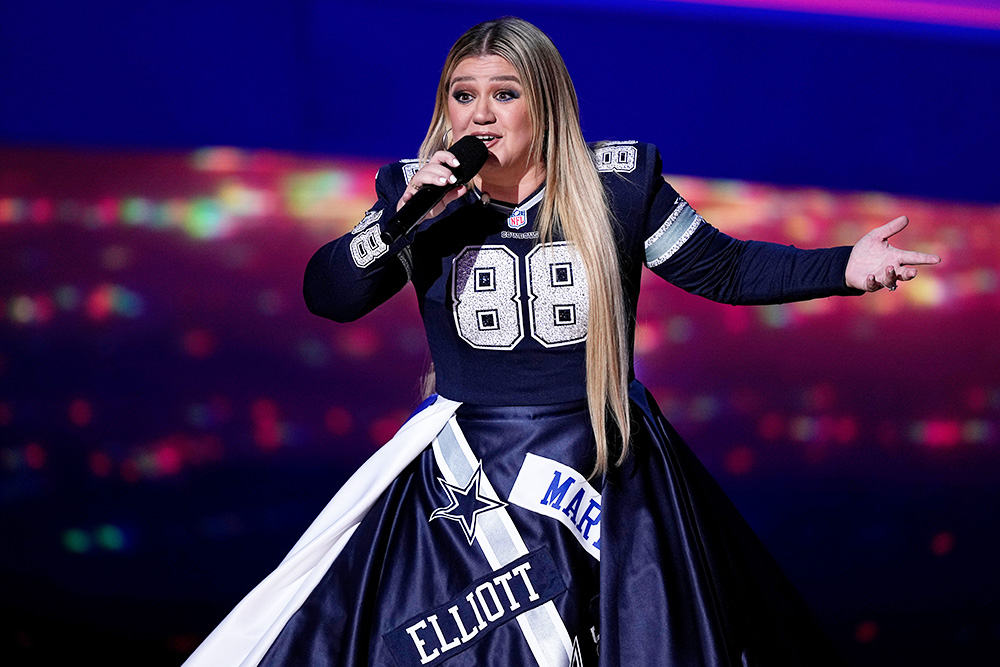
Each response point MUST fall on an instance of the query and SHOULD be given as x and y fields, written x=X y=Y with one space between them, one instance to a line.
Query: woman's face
x=486 y=99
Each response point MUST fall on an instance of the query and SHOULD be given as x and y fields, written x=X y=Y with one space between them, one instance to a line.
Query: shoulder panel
x=615 y=156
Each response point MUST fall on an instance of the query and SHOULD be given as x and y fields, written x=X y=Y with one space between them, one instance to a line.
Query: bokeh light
x=199 y=343
x=80 y=412
x=110 y=537
x=268 y=431
x=154 y=339
x=339 y=421
x=942 y=544
x=866 y=632
x=76 y=541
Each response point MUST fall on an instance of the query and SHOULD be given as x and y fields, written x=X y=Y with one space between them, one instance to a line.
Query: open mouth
x=488 y=139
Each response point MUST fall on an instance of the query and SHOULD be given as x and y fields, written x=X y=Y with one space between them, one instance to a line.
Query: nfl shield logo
x=517 y=219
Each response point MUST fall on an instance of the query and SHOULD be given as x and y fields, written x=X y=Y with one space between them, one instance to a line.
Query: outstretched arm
x=875 y=264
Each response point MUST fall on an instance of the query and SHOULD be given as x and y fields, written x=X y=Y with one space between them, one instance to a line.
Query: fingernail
x=442 y=180
x=452 y=179
x=454 y=162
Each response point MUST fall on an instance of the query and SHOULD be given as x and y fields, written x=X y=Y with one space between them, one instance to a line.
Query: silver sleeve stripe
x=675 y=230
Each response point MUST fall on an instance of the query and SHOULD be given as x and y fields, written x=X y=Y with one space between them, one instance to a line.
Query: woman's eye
x=462 y=97
x=507 y=95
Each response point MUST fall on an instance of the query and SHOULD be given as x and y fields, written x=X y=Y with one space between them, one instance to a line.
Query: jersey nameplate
x=555 y=490
x=485 y=605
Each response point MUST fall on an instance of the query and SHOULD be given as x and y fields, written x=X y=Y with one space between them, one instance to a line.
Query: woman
x=538 y=509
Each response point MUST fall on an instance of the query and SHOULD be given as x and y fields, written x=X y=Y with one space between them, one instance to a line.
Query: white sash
x=245 y=635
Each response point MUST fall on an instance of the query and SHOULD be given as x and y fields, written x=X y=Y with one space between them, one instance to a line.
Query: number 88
x=486 y=289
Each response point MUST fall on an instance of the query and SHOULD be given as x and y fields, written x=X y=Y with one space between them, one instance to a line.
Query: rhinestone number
x=487 y=292
x=487 y=296
x=557 y=295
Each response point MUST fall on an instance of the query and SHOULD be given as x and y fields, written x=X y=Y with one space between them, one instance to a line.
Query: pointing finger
x=910 y=258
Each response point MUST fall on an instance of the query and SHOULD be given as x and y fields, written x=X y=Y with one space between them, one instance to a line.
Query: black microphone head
x=472 y=155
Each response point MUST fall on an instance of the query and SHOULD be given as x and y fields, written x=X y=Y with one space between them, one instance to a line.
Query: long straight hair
x=575 y=205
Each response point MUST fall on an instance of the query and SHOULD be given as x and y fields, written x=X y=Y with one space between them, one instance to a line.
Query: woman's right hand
x=435 y=172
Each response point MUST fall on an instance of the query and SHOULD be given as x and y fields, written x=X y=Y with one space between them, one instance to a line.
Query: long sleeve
x=721 y=268
x=680 y=247
x=352 y=275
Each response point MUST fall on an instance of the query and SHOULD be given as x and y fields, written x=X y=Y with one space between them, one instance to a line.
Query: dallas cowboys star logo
x=466 y=504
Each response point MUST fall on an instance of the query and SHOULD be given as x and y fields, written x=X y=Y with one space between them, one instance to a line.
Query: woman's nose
x=483 y=113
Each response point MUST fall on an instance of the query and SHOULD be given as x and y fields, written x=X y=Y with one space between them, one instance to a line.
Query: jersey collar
x=506 y=207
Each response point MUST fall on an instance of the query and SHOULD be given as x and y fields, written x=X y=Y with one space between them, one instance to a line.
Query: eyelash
x=463 y=97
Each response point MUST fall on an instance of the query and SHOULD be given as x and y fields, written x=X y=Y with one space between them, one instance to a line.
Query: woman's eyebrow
x=499 y=77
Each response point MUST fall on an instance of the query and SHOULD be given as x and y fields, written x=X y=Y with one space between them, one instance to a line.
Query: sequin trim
x=672 y=234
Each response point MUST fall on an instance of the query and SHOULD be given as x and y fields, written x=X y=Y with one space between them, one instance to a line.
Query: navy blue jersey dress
x=477 y=537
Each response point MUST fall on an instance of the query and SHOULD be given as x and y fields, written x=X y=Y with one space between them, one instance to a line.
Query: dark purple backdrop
x=171 y=417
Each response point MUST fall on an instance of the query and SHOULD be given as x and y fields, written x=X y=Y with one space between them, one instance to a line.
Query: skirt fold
x=487 y=543
x=715 y=595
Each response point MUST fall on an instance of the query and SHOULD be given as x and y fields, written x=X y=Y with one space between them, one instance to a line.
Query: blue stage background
x=171 y=418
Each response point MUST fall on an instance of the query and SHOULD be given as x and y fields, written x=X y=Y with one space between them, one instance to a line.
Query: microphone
x=472 y=154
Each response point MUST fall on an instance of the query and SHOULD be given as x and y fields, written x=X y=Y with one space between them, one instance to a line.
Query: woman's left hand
x=875 y=264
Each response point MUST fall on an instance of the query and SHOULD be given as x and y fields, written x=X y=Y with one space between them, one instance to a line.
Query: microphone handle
x=413 y=211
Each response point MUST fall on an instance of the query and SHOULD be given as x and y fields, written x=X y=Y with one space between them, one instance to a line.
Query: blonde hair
x=575 y=203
